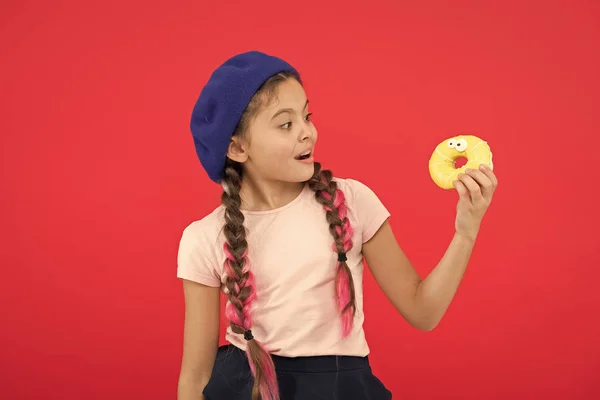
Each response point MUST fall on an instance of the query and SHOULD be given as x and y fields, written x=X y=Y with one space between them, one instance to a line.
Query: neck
x=268 y=195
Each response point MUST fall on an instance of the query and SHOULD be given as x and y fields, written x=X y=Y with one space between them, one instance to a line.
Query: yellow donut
x=443 y=160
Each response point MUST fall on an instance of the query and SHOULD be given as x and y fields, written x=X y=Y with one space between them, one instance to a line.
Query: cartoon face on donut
x=457 y=144
x=442 y=166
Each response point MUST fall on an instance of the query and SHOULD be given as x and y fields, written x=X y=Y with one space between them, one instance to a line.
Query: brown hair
x=240 y=280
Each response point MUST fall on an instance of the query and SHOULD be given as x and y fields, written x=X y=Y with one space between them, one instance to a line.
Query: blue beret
x=222 y=101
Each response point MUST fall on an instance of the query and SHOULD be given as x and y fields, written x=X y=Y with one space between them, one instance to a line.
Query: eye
x=461 y=145
x=308 y=116
x=451 y=143
x=287 y=125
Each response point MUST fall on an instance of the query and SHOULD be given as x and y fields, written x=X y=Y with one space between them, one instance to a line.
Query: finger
x=462 y=190
x=490 y=174
x=472 y=186
x=482 y=180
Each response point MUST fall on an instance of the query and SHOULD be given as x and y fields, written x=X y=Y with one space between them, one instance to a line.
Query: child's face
x=280 y=132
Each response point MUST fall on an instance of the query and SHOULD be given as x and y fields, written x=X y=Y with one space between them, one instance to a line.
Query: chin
x=309 y=172
x=300 y=175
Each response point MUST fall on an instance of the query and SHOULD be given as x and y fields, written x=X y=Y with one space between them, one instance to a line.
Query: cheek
x=275 y=153
x=280 y=154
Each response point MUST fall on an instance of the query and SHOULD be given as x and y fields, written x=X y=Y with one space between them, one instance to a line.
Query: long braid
x=241 y=290
x=333 y=201
x=240 y=280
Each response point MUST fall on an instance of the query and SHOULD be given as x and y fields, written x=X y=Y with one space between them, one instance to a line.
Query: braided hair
x=240 y=288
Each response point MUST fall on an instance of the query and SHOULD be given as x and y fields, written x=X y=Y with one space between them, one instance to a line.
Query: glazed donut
x=442 y=164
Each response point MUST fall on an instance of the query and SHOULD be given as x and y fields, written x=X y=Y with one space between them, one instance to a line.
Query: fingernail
x=482 y=166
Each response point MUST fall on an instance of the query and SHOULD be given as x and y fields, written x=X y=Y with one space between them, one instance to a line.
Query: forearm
x=435 y=293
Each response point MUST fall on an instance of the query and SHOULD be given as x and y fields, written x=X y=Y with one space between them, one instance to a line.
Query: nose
x=306 y=133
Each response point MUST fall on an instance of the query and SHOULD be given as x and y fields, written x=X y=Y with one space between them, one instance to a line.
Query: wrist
x=467 y=237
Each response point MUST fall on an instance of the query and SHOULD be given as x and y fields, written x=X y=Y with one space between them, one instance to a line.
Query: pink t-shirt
x=290 y=253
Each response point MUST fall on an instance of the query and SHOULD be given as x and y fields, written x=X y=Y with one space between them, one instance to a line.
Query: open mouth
x=304 y=155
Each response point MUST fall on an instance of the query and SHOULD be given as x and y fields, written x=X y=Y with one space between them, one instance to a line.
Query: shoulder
x=202 y=232
x=199 y=249
x=364 y=204
x=354 y=189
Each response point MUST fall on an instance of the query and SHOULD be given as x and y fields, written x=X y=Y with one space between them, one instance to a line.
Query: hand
x=475 y=189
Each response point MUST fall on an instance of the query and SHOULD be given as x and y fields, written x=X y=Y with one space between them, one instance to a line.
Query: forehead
x=288 y=94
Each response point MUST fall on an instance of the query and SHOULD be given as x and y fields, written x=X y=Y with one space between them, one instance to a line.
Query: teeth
x=305 y=154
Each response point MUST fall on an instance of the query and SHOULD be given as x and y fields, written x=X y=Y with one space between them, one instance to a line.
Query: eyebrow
x=286 y=110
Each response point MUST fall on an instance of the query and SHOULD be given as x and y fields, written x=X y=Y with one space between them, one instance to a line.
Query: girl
x=287 y=245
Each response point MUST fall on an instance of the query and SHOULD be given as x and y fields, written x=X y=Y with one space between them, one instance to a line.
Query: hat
x=222 y=101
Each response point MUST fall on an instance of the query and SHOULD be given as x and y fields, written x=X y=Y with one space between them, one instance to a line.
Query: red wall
x=99 y=177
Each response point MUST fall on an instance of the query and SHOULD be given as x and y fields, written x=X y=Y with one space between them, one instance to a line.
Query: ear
x=237 y=150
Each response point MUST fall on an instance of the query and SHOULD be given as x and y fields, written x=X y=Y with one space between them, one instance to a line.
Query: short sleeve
x=195 y=258
x=369 y=209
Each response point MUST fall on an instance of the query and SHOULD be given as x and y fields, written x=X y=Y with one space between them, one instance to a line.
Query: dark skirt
x=300 y=378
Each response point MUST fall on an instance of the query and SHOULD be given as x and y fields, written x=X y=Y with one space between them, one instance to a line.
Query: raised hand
x=475 y=189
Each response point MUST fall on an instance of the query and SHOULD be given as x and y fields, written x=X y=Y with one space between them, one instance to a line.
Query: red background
x=99 y=177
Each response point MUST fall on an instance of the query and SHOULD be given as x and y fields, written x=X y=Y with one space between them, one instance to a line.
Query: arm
x=423 y=302
x=200 y=339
